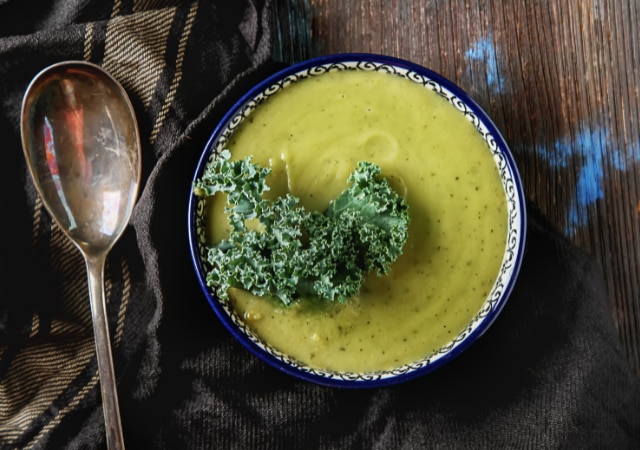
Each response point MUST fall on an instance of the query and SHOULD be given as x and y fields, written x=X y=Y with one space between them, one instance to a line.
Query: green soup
x=312 y=134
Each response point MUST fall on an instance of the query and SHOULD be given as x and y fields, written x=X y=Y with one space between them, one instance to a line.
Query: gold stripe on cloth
x=135 y=48
x=86 y=389
x=175 y=82
x=143 y=5
x=49 y=362
x=88 y=42
x=126 y=297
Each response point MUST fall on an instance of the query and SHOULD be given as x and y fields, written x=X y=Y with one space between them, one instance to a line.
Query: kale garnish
x=297 y=253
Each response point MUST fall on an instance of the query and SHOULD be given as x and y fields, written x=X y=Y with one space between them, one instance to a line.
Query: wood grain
x=559 y=79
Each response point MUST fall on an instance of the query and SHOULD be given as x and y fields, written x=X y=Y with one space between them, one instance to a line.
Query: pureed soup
x=312 y=134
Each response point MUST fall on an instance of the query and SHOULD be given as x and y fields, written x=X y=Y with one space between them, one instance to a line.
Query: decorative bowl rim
x=516 y=208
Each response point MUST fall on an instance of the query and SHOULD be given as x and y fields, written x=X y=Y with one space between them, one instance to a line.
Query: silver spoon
x=81 y=142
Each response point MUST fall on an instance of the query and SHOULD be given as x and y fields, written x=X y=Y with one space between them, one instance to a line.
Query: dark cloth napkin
x=549 y=374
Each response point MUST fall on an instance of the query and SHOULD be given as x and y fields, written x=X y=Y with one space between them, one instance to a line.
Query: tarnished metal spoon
x=81 y=142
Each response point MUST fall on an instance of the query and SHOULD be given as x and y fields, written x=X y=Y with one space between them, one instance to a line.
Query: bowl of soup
x=311 y=124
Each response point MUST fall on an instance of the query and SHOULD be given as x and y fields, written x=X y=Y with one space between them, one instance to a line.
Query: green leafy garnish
x=297 y=253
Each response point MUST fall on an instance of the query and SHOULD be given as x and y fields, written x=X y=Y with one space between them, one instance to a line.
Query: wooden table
x=560 y=80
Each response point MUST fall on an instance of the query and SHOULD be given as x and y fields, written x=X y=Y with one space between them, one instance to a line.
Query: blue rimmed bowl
x=513 y=195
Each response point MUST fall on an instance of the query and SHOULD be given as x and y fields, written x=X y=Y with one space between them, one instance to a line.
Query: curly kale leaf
x=298 y=253
x=378 y=215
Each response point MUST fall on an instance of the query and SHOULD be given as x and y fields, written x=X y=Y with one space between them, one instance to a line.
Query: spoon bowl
x=82 y=146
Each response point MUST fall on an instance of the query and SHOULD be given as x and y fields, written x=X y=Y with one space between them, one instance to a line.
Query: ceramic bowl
x=495 y=144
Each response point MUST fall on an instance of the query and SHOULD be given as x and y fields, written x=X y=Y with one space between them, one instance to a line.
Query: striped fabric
x=49 y=385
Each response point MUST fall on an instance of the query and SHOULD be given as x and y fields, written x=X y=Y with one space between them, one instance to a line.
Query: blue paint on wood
x=484 y=51
x=591 y=150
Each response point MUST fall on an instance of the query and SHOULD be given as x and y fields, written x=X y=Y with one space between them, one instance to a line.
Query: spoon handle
x=95 y=272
